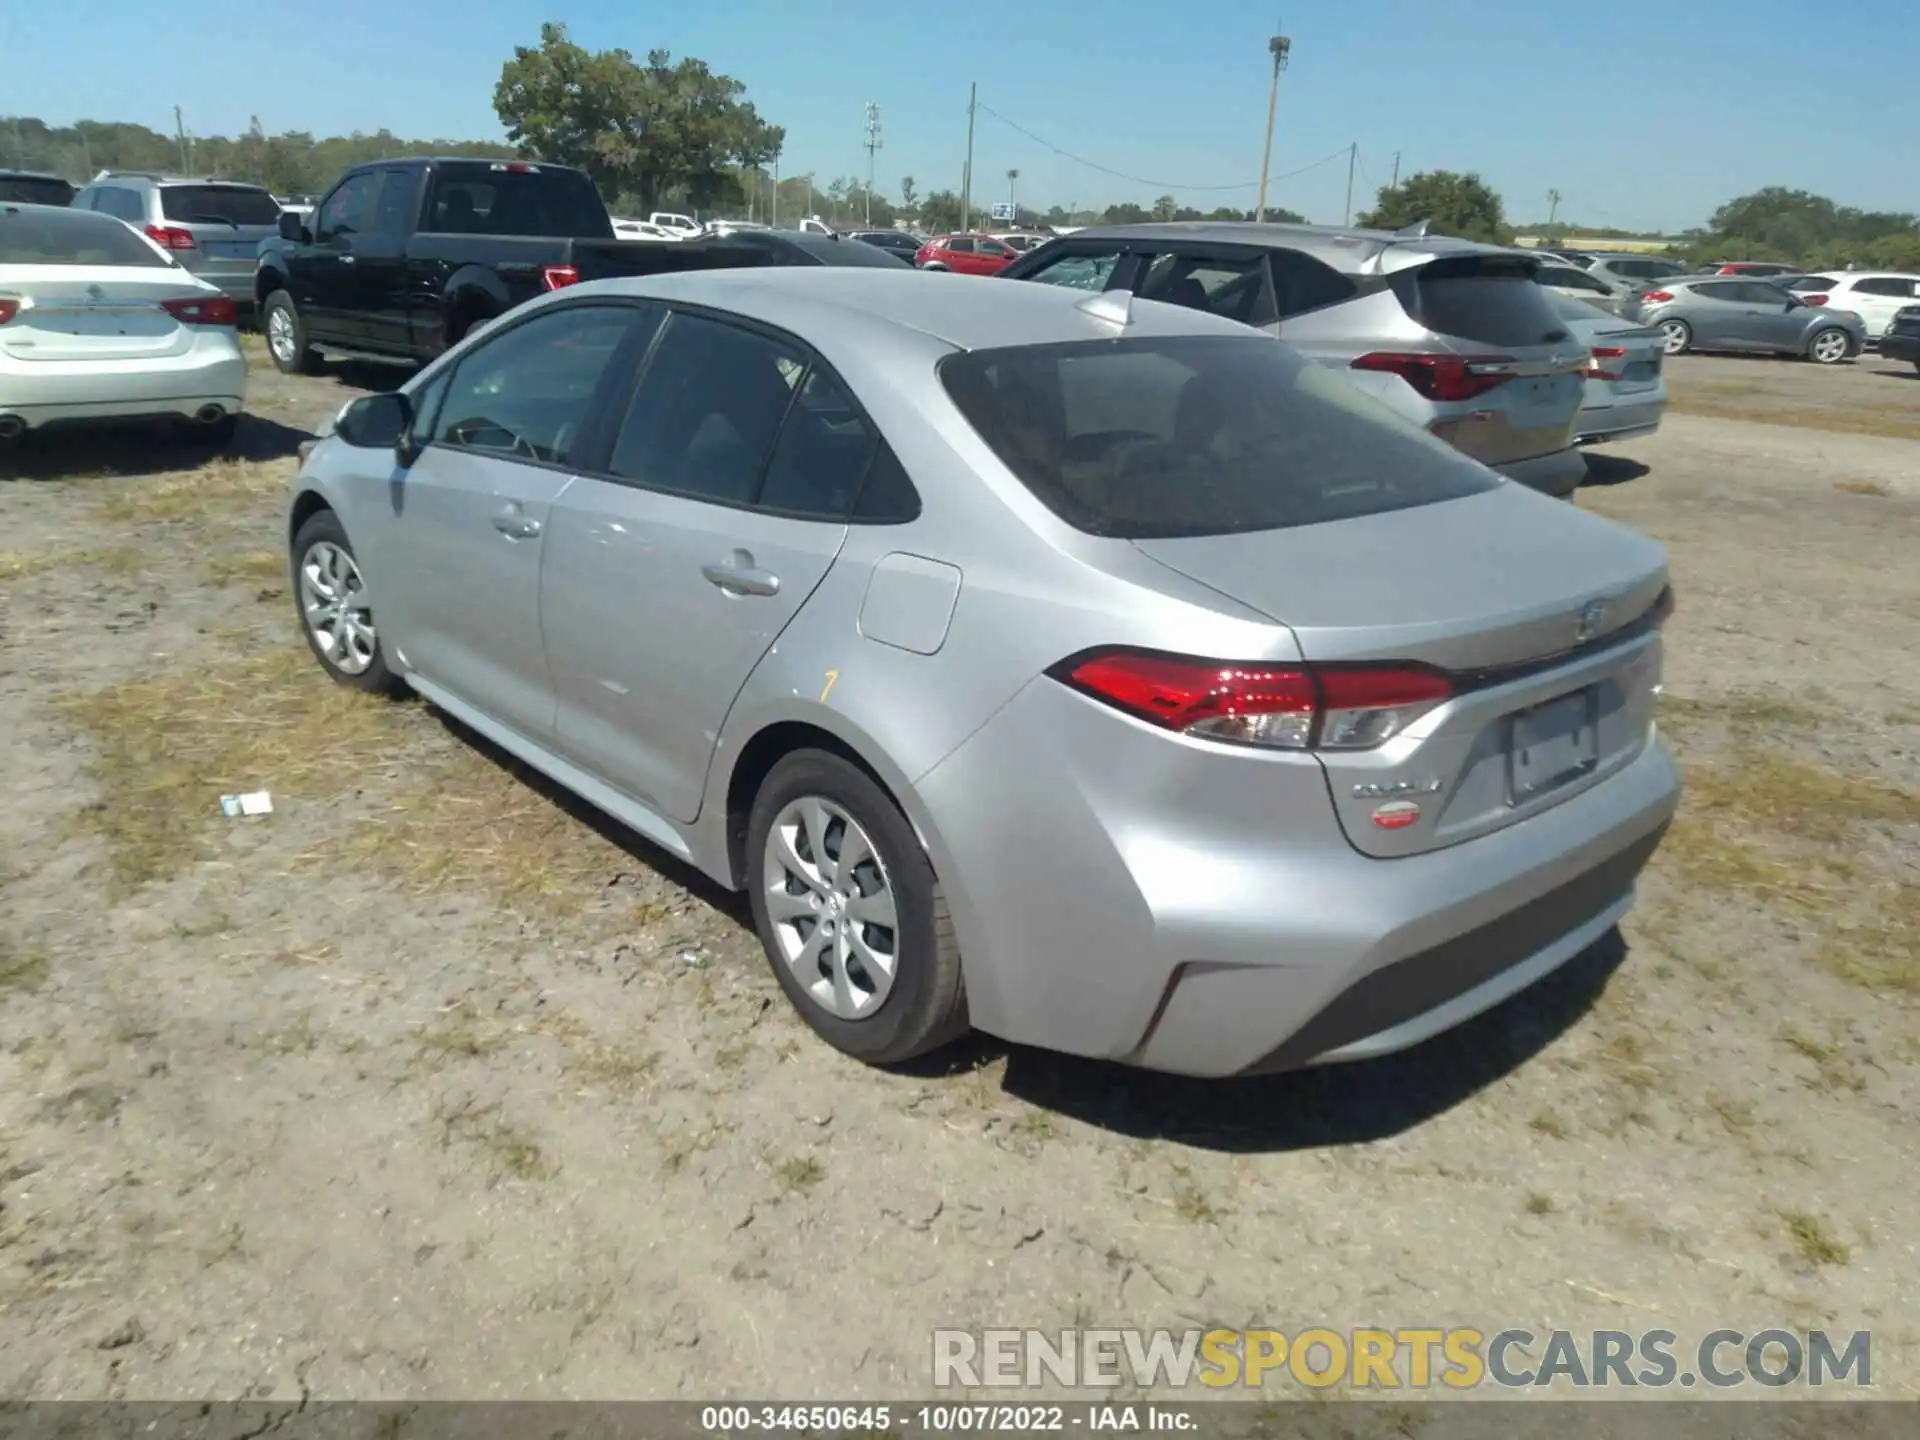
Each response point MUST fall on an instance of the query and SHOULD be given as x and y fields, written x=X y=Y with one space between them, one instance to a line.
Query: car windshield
x=218 y=204
x=40 y=236
x=1197 y=435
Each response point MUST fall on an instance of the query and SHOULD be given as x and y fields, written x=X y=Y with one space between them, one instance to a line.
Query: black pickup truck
x=403 y=257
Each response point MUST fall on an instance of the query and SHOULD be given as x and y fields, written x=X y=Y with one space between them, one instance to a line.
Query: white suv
x=1875 y=296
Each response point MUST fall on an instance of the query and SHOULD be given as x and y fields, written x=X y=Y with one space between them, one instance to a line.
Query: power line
x=986 y=109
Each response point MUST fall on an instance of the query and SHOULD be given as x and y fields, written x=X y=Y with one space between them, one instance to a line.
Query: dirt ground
x=429 y=1084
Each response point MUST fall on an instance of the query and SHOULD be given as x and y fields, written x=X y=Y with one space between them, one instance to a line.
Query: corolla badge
x=1587 y=623
x=1380 y=790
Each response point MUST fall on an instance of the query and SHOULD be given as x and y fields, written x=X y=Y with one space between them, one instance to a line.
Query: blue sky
x=1643 y=113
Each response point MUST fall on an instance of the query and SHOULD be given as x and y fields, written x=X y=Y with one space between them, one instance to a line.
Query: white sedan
x=97 y=323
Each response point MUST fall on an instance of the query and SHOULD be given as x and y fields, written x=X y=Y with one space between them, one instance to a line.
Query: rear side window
x=121 y=203
x=1569 y=278
x=493 y=200
x=1884 y=285
x=1234 y=288
x=72 y=237
x=1302 y=283
x=822 y=453
x=1489 y=300
x=961 y=245
x=35 y=190
x=1197 y=435
x=218 y=204
x=1722 y=290
x=1808 y=283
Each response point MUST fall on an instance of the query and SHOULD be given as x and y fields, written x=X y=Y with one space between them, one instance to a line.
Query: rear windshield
x=36 y=189
x=1197 y=435
x=826 y=250
x=71 y=237
x=218 y=204
x=1489 y=300
x=479 y=200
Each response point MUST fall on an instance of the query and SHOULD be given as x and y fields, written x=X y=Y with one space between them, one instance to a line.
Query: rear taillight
x=171 y=237
x=558 y=277
x=8 y=309
x=1815 y=299
x=1604 y=362
x=1442 y=377
x=1656 y=297
x=212 y=310
x=1284 y=707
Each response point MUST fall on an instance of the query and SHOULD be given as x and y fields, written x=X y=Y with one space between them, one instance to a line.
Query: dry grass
x=249 y=568
x=218 y=488
x=1883 y=952
x=21 y=969
x=1745 y=711
x=164 y=750
x=1863 y=487
x=508 y=1152
x=1731 y=403
x=1813 y=1239
x=1837 y=1070
x=799 y=1173
x=115 y=559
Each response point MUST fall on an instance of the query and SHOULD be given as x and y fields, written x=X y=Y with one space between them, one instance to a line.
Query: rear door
x=717 y=509
x=227 y=223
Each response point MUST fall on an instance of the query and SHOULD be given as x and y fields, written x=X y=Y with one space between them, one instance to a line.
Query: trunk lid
x=1551 y=695
x=1639 y=368
x=72 y=313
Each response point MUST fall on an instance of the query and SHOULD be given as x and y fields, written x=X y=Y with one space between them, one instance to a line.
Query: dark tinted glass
x=1881 y=285
x=826 y=250
x=1807 y=283
x=348 y=210
x=35 y=190
x=1490 y=301
x=398 y=208
x=888 y=496
x=961 y=244
x=72 y=237
x=1198 y=435
x=1235 y=288
x=822 y=454
x=488 y=199
x=1302 y=283
x=121 y=203
x=218 y=204
x=527 y=393
x=1721 y=290
x=704 y=417
x=1084 y=270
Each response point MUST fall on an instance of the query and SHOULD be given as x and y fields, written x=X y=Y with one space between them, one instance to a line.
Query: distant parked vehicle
x=1902 y=338
x=1020 y=241
x=1716 y=312
x=733 y=227
x=1875 y=296
x=1625 y=395
x=644 y=230
x=99 y=323
x=1756 y=269
x=30 y=187
x=1631 y=272
x=895 y=242
x=965 y=254
x=680 y=224
x=213 y=228
x=1573 y=283
x=1454 y=336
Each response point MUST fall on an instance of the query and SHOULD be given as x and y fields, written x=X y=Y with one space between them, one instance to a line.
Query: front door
x=325 y=278
x=719 y=508
x=459 y=567
x=380 y=258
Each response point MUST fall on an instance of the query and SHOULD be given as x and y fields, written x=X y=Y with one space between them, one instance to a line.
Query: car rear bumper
x=1557 y=474
x=1203 y=913
x=234 y=279
x=49 y=392
x=1620 y=421
x=1900 y=347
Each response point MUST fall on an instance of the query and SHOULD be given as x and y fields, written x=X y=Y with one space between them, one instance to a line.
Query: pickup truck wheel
x=287 y=337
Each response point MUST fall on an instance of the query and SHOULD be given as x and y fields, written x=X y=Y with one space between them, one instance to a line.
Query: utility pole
x=1553 y=207
x=966 y=175
x=1353 y=154
x=1394 y=184
x=1013 y=193
x=1278 y=47
x=186 y=152
x=774 y=214
x=873 y=144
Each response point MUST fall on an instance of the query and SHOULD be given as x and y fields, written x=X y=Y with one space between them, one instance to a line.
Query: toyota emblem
x=1592 y=616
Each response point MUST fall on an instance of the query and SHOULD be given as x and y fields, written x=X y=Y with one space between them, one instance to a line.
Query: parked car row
x=1035 y=657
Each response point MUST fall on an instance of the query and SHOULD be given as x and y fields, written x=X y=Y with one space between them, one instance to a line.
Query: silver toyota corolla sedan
x=1091 y=671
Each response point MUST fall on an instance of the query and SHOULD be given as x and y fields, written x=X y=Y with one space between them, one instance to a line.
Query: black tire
x=927 y=1006
x=1916 y=365
x=324 y=526
x=1813 y=343
x=304 y=359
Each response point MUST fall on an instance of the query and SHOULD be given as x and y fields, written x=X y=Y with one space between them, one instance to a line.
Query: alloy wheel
x=832 y=906
x=280 y=334
x=1829 y=346
x=1674 y=337
x=332 y=598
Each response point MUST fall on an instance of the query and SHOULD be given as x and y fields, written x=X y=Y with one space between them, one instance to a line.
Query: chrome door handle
x=513 y=523
x=740 y=577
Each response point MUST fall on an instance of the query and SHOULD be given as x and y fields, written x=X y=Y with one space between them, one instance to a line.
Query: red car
x=965 y=255
x=1758 y=269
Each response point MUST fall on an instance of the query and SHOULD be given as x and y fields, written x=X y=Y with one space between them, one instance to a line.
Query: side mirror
x=376 y=422
x=292 y=229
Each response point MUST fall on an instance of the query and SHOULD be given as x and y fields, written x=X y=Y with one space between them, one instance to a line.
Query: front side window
x=72 y=237
x=1088 y=270
x=1197 y=435
x=347 y=211
x=1234 y=288
x=528 y=392
x=398 y=206
x=704 y=416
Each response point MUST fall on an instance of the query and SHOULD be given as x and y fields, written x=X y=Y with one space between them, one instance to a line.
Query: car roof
x=964 y=311
x=1357 y=248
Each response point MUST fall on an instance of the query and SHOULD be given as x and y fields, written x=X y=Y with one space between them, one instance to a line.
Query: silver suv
x=1453 y=335
x=210 y=227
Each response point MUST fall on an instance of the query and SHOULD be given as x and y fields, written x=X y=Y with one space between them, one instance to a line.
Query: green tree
x=1455 y=204
x=643 y=130
x=907 y=191
x=940 y=212
x=1164 y=208
x=1801 y=228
